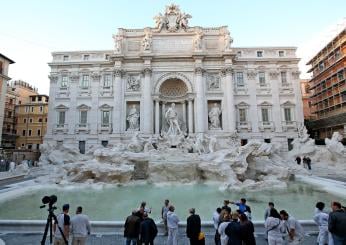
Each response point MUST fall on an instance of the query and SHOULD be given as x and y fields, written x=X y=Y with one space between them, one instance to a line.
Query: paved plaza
x=34 y=239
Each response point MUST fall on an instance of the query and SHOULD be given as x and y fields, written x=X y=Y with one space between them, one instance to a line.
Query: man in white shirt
x=172 y=224
x=64 y=223
x=293 y=227
x=80 y=227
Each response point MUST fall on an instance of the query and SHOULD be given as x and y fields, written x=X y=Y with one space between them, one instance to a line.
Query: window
x=33 y=99
x=281 y=53
x=337 y=54
x=86 y=57
x=45 y=119
x=288 y=117
x=105 y=116
x=64 y=81
x=41 y=108
x=239 y=53
x=262 y=78
x=83 y=118
x=27 y=108
x=23 y=132
x=29 y=147
x=30 y=132
x=107 y=56
x=107 y=80
x=11 y=101
x=39 y=98
x=65 y=58
x=85 y=81
x=40 y=120
x=242 y=115
x=259 y=53
x=9 y=114
x=340 y=75
x=30 y=120
x=240 y=79
x=24 y=120
x=265 y=115
x=283 y=77
x=321 y=66
x=38 y=132
x=61 y=118
x=32 y=109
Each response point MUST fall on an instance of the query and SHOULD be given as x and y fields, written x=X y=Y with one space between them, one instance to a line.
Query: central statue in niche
x=171 y=117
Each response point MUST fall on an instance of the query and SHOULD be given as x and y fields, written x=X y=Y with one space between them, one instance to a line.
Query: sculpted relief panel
x=169 y=45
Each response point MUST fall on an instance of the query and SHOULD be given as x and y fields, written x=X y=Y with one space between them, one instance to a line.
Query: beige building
x=4 y=65
x=18 y=92
x=31 y=122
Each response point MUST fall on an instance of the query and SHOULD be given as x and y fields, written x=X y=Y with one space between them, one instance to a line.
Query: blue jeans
x=339 y=240
x=131 y=239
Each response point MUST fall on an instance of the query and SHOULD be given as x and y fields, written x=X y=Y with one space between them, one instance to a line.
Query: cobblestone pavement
x=34 y=239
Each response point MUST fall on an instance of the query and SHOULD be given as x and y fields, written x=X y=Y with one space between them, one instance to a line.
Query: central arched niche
x=173 y=88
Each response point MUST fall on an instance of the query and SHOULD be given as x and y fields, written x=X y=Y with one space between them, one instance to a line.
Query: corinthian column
x=229 y=92
x=118 y=97
x=190 y=116
x=157 y=116
x=147 y=103
x=200 y=102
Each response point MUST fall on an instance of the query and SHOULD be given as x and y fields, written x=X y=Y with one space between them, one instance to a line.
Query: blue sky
x=31 y=29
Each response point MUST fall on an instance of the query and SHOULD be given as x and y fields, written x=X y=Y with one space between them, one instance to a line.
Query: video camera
x=50 y=200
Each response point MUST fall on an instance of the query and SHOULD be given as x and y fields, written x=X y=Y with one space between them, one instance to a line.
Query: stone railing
x=117 y=227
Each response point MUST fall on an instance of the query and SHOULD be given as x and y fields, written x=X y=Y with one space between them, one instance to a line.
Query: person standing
x=164 y=216
x=246 y=230
x=321 y=219
x=267 y=214
x=80 y=227
x=172 y=224
x=193 y=227
x=132 y=226
x=337 y=224
x=274 y=228
x=305 y=162
x=241 y=205
x=148 y=230
x=222 y=227
x=293 y=227
x=308 y=162
x=233 y=230
x=298 y=160
x=216 y=221
x=64 y=223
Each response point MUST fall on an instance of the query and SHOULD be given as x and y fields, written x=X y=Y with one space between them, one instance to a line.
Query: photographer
x=64 y=223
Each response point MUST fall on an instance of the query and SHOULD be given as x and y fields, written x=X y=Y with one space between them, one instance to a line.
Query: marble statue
x=199 y=144
x=334 y=145
x=133 y=83
x=117 y=43
x=212 y=143
x=136 y=144
x=198 y=41
x=214 y=117
x=133 y=119
x=160 y=21
x=172 y=119
x=147 y=42
x=183 y=20
x=173 y=19
x=12 y=167
x=228 y=41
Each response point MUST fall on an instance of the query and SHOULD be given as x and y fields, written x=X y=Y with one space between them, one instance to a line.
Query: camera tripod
x=49 y=225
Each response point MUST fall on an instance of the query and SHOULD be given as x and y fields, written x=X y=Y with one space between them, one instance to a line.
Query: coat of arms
x=172 y=20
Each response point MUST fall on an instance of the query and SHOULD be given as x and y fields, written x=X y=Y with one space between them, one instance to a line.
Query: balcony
x=84 y=91
x=82 y=127
x=105 y=128
x=263 y=89
x=60 y=128
x=289 y=125
x=106 y=91
x=244 y=126
x=241 y=90
x=266 y=125
x=286 y=88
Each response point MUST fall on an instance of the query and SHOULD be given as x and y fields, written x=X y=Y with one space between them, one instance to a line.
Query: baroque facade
x=174 y=79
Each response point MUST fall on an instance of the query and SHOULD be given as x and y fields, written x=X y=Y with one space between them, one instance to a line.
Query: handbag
x=201 y=236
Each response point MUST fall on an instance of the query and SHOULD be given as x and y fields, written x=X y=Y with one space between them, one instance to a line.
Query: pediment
x=61 y=107
x=288 y=103
x=83 y=107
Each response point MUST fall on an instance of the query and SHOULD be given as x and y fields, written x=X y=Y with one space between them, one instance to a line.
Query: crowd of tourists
x=232 y=227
